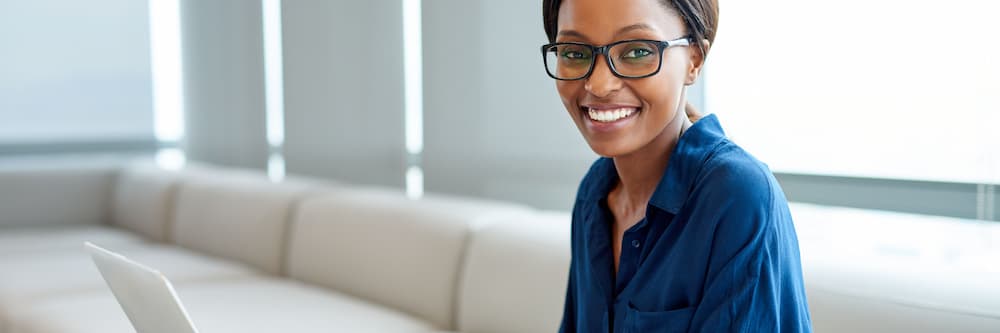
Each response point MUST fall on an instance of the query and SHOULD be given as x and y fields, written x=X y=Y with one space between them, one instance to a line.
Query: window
x=75 y=71
x=885 y=89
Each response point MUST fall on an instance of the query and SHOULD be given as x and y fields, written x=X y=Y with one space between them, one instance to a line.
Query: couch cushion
x=143 y=200
x=838 y=312
x=515 y=275
x=382 y=246
x=30 y=278
x=246 y=306
x=55 y=194
x=912 y=270
x=21 y=241
x=239 y=216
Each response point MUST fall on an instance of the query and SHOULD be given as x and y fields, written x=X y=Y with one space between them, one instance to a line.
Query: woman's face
x=651 y=104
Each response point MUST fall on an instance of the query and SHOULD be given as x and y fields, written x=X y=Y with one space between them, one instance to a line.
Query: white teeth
x=608 y=116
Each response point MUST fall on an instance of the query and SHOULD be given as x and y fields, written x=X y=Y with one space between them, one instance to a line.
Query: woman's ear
x=698 y=52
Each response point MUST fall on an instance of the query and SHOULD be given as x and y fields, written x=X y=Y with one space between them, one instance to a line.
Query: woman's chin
x=609 y=149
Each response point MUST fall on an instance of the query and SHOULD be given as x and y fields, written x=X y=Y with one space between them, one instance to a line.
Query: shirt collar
x=690 y=154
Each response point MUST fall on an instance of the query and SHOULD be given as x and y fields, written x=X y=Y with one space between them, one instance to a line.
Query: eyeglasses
x=630 y=59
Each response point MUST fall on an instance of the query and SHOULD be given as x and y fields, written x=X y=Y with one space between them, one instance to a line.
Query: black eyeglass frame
x=598 y=50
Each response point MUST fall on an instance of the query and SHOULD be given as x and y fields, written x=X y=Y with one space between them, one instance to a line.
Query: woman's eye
x=573 y=55
x=637 y=53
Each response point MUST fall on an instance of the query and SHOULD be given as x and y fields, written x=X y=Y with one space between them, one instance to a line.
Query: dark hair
x=701 y=18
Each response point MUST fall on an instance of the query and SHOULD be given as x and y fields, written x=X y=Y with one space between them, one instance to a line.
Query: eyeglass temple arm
x=685 y=41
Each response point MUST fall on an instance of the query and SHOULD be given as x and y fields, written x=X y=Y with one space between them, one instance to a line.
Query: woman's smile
x=608 y=117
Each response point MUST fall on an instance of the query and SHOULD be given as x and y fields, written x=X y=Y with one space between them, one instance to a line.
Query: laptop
x=145 y=294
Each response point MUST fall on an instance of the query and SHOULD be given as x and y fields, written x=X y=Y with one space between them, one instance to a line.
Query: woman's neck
x=640 y=172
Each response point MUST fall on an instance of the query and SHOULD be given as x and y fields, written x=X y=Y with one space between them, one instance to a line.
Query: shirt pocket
x=638 y=321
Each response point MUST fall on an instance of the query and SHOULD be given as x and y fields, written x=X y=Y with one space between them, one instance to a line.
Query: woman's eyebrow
x=637 y=26
x=622 y=31
x=572 y=33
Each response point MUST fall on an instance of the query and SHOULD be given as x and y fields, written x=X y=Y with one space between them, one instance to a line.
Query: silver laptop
x=144 y=293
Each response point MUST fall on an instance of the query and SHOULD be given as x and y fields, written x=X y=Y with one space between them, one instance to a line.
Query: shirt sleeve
x=754 y=280
x=568 y=324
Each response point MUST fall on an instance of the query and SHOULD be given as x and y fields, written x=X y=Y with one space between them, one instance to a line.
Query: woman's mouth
x=608 y=118
x=610 y=115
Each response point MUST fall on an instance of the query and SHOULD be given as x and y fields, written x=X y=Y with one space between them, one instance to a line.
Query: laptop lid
x=146 y=296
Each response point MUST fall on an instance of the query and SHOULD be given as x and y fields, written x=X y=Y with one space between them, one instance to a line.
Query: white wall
x=223 y=63
x=343 y=64
x=74 y=71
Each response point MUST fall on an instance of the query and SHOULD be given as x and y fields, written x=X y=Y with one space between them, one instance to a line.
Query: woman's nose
x=602 y=82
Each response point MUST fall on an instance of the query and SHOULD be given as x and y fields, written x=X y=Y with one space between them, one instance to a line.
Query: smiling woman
x=675 y=228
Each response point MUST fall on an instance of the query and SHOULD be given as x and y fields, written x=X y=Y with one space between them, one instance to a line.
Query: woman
x=675 y=228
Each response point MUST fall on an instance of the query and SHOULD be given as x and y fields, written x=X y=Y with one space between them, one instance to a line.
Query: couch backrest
x=143 y=199
x=381 y=246
x=48 y=194
x=515 y=275
x=235 y=215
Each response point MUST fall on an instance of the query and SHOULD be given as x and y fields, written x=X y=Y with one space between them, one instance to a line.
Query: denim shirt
x=716 y=251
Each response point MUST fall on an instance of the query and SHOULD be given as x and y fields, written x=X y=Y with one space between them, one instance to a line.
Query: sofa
x=305 y=255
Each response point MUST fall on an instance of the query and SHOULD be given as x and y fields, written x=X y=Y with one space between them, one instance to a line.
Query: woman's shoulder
x=736 y=195
x=734 y=173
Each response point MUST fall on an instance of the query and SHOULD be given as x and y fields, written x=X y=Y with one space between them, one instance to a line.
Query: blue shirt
x=716 y=252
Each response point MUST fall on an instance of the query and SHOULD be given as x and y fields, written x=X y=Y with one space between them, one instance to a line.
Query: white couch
x=870 y=271
x=249 y=255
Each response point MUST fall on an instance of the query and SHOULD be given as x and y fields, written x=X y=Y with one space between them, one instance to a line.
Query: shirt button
x=635 y=243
